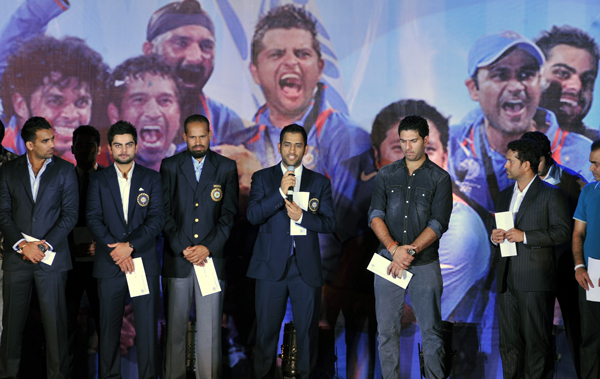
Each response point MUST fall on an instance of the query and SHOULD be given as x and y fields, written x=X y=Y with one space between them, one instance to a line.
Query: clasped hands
x=513 y=235
x=121 y=254
x=197 y=255
x=401 y=259
x=32 y=253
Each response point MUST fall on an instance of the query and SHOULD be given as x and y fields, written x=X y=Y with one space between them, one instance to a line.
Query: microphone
x=290 y=192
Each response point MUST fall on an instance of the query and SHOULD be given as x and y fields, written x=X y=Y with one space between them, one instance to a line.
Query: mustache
x=190 y=73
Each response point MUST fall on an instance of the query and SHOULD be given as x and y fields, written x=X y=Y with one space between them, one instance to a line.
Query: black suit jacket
x=107 y=225
x=274 y=243
x=197 y=212
x=544 y=217
x=81 y=220
x=51 y=217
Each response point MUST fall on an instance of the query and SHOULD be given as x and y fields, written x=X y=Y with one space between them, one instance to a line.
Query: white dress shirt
x=517 y=199
x=124 y=187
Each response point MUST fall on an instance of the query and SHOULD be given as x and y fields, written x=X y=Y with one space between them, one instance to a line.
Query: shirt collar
x=120 y=175
x=47 y=160
x=80 y=171
x=524 y=189
x=198 y=165
x=297 y=171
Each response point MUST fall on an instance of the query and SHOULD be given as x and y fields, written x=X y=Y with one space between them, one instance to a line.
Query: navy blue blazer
x=544 y=217
x=51 y=217
x=106 y=223
x=197 y=213
x=273 y=245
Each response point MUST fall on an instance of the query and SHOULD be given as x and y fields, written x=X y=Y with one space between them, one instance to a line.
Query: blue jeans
x=425 y=291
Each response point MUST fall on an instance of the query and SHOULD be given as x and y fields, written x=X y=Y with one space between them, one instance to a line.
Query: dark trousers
x=271 y=302
x=525 y=323
x=17 y=287
x=590 y=330
x=568 y=298
x=112 y=293
x=79 y=280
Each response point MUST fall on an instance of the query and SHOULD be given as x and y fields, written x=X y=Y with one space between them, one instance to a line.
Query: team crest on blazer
x=313 y=205
x=217 y=193
x=143 y=199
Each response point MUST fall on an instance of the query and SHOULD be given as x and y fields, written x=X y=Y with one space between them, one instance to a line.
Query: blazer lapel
x=208 y=170
x=528 y=199
x=23 y=171
x=113 y=184
x=135 y=189
x=46 y=176
x=306 y=180
x=187 y=168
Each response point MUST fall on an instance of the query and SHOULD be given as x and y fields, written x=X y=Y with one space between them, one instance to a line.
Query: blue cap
x=490 y=47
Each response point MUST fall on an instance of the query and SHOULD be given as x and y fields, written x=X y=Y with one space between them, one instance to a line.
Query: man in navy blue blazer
x=201 y=195
x=284 y=264
x=39 y=198
x=125 y=214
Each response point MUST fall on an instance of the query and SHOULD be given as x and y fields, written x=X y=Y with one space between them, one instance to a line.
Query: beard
x=123 y=161
x=191 y=75
x=198 y=154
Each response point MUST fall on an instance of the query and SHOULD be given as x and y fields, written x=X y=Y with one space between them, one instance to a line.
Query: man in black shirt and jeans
x=410 y=210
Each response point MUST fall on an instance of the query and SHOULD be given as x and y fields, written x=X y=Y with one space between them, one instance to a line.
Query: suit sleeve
x=69 y=209
x=217 y=237
x=559 y=223
x=9 y=228
x=178 y=240
x=155 y=217
x=262 y=204
x=324 y=220
x=94 y=214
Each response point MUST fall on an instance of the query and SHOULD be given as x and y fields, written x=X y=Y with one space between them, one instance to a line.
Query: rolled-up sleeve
x=441 y=206
x=378 y=199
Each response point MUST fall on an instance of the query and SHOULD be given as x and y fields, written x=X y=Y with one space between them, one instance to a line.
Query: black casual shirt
x=410 y=203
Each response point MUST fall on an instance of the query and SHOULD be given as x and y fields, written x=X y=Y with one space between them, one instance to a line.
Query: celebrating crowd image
x=299 y=189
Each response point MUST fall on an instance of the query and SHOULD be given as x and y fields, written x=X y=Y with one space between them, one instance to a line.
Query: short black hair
x=196 y=118
x=542 y=141
x=135 y=68
x=86 y=130
x=293 y=128
x=595 y=145
x=527 y=151
x=31 y=126
x=570 y=36
x=1 y=131
x=38 y=58
x=394 y=112
x=119 y=128
x=284 y=17
x=414 y=122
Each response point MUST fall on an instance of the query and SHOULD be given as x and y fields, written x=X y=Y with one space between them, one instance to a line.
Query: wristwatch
x=42 y=248
x=131 y=246
x=411 y=251
x=20 y=249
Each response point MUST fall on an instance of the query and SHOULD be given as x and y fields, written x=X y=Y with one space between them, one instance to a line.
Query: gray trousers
x=209 y=313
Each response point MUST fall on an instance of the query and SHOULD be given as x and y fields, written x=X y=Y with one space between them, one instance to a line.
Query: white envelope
x=207 y=278
x=300 y=198
x=506 y=221
x=136 y=280
x=593 y=269
x=379 y=266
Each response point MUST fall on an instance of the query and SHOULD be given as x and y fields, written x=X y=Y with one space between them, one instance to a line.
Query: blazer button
x=196 y=220
x=124 y=234
x=195 y=236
